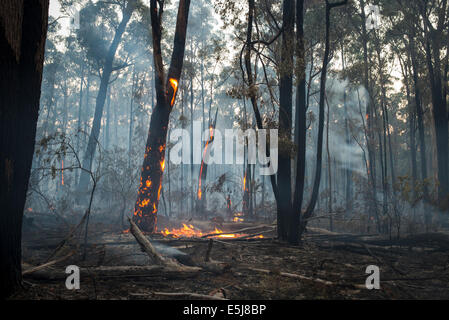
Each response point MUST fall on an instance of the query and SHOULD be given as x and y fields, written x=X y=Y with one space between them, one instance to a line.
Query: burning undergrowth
x=174 y=230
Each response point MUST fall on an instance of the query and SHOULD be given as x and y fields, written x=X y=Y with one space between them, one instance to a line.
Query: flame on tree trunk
x=145 y=212
x=203 y=169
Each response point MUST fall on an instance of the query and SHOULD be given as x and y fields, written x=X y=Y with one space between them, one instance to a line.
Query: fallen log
x=149 y=249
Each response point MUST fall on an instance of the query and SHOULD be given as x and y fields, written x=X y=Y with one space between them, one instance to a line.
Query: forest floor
x=325 y=266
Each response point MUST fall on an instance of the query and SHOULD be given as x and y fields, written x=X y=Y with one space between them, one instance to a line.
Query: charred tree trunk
x=23 y=30
x=145 y=213
x=284 y=176
x=440 y=117
x=300 y=125
x=319 y=154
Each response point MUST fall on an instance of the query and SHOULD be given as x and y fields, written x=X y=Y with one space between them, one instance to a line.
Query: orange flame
x=211 y=132
x=163 y=165
x=174 y=85
x=189 y=231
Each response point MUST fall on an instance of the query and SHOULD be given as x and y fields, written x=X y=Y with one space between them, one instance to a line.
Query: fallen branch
x=383 y=261
x=149 y=249
x=238 y=231
x=116 y=271
x=249 y=236
x=293 y=275
x=188 y=295
x=48 y=264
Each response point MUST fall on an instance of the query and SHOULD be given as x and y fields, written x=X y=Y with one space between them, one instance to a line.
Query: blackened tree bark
x=23 y=30
x=108 y=69
x=145 y=213
x=249 y=80
x=300 y=124
x=284 y=177
x=319 y=153
x=433 y=47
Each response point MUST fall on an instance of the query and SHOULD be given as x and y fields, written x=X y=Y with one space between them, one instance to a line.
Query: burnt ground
x=415 y=267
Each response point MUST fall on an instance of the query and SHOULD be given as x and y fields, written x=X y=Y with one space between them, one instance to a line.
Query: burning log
x=149 y=249
x=237 y=231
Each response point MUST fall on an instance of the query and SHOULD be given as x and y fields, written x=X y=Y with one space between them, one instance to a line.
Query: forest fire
x=211 y=139
x=189 y=231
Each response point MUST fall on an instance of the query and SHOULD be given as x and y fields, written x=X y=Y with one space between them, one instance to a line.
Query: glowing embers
x=238 y=217
x=162 y=163
x=174 y=85
x=245 y=187
x=62 y=172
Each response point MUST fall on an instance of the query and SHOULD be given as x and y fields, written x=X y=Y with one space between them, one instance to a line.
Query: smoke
x=167 y=250
x=347 y=143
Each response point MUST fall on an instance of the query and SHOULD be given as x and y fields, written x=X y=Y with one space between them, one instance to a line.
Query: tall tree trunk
x=348 y=172
x=101 y=98
x=440 y=117
x=319 y=153
x=420 y=115
x=300 y=125
x=23 y=30
x=370 y=120
x=284 y=176
x=145 y=213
